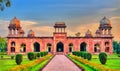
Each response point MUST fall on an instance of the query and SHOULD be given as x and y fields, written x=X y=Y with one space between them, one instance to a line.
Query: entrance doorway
x=60 y=47
x=83 y=46
x=36 y=47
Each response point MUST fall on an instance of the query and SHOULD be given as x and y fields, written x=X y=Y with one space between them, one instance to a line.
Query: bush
x=38 y=55
x=103 y=57
x=31 y=56
x=18 y=59
x=1 y=56
x=89 y=56
x=85 y=55
x=12 y=57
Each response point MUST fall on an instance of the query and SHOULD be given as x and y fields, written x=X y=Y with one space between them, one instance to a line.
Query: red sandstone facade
x=59 y=42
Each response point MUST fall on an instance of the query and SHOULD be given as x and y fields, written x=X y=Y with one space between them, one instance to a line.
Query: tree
x=3 y=44
x=103 y=58
x=116 y=47
x=4 y=3
x=77 y=34
x=18 y=59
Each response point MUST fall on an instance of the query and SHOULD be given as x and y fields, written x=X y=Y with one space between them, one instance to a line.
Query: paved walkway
x=61 y=63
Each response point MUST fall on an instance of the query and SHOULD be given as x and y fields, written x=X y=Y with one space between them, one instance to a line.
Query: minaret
x=105 y=27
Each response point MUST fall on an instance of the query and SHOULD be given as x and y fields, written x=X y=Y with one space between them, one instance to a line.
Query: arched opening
x=70 y=47
x=83 y=46
x=107 y=46
x=96 y=48
x=23 y=48
x=106 y=43
x=12 y=49
x=13 y=44
x=60 y=47
x=107 y=49
x=36 y=47
x=49 y=47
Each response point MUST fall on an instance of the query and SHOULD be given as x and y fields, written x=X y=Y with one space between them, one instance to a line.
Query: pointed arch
x=60 y=47
x=49 y=47
x=12 y=49
x=83 y=46
x=70 y=47
x=96 y=48
x=36 y=47
x=23 y=47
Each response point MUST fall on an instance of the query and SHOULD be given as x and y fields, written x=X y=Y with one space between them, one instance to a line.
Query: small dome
x=14 y=23
x=98 y=31
x=88 y=33
x=105 y=21
x=31 y=33
x=21 y=31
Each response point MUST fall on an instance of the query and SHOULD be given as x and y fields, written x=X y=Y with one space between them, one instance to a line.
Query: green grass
x=7 y=63
x=113 y=61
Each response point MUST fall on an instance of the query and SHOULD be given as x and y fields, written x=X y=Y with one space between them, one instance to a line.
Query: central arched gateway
x=60 y=47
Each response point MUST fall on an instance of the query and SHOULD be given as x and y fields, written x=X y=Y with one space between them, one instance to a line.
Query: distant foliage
x=18 y=59
x=116 y=47
x=3 y=44
x=103 y=58
x=4 y=3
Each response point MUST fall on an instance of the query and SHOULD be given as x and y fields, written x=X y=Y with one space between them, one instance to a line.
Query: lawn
x=113 y=61
x=7 y=63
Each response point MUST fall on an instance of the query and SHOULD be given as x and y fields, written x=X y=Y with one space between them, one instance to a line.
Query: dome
x=88 y=33
x=21 y=31
x=105 y=21
x=31 y=33
x=14 y=23
x=98 y=32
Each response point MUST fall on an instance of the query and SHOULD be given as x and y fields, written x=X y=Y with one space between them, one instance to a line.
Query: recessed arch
x=36 y=47
x=12 y=49
x=13 y=44
x=49 y=47
x=60 y=47
x=96 y=47
x=107 y=49
x=23 y=47
x=83 y=46
x=70 y=47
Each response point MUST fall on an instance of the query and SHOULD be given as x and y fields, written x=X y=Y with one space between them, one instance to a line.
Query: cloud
x=84 y=27
x=71 y=30
x=107 y=10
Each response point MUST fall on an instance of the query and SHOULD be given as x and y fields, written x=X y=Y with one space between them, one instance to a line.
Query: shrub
x=89 y=56
x=1 y=56
x=31 y=56
x=12 y=57
x=35 y=55
x=38 y=55
x=85 y=55
x=18 y=59
x=103 y=57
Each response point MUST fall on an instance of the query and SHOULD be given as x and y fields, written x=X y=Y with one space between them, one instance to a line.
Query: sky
x=79 y=16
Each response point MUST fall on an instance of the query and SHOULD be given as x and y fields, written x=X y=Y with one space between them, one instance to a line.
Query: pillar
x=55 y=29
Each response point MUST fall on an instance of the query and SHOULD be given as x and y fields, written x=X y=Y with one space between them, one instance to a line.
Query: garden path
x=61 y=63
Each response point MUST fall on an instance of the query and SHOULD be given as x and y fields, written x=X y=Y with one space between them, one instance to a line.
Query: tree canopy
x=4 y=3
x=3 y=44
x=116 y=47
